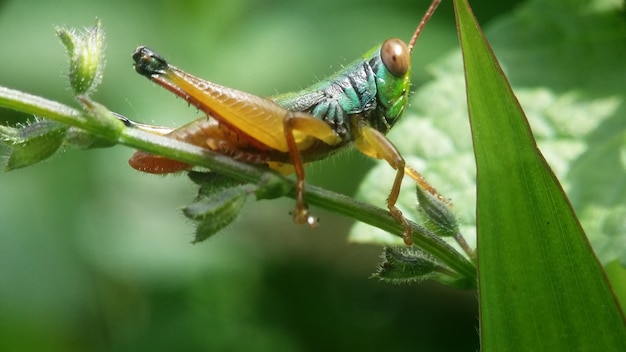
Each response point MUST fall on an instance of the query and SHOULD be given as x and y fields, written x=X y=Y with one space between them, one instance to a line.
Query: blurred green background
x=96 y=256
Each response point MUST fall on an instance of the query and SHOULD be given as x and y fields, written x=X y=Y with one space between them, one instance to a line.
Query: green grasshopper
x=358 y=104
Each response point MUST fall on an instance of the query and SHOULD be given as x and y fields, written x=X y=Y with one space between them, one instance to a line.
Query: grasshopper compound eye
x=396 y=56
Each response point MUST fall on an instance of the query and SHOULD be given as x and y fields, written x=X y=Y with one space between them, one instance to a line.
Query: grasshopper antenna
x=425 y=19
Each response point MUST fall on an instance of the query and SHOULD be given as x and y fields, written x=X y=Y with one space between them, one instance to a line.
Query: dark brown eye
x=396 y=57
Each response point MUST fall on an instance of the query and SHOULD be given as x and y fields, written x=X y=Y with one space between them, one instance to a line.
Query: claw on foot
x=406 y=236
x=301 y=215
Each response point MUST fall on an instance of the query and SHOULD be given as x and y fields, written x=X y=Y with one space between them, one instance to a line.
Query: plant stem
x=95 y=121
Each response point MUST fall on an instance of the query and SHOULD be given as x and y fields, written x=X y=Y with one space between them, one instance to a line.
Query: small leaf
x=217 y=211
x=401 y=265
x=437 y=214
x=211 y=183
x=32 y=143
x=85 y=51
x=405 y=264
x=86 y=140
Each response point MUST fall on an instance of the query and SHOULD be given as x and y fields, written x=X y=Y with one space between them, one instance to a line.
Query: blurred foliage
x=95 y=256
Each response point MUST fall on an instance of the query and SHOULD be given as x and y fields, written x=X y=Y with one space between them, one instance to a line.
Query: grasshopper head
x=393 y=76
x=391 y=64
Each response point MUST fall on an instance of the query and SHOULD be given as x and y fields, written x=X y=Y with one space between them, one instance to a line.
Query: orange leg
x=311 y=128
x=373 y=143
x=423 y=184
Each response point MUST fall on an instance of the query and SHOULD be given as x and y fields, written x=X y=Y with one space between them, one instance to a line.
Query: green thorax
x=363 y=92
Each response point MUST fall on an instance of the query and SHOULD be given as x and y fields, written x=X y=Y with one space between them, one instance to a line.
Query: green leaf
x=540 y=285
x=216 y=211
x=569 y=59
x=85 y=51
x=31 y=143
x=211 y=183
x=86 y=140
x=405 y=264
x=436 y=213
x=401 y=265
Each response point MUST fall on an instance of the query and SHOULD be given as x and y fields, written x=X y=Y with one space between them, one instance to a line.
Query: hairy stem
x=105 y=125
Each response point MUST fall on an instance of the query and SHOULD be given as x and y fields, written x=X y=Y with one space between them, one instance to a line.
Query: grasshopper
x=357 y=105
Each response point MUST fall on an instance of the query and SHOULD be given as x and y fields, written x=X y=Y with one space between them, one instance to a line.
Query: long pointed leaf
x=541 y=287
